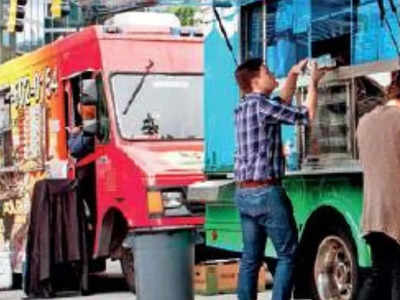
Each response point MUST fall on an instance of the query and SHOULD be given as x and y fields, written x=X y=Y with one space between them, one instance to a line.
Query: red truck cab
x=146 y=84
x=148 y=140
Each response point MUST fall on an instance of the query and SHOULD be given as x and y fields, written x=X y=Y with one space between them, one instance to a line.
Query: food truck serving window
x=328 y=139
x=159 y=107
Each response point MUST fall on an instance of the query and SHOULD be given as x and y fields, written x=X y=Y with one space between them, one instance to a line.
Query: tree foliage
x=185 y=14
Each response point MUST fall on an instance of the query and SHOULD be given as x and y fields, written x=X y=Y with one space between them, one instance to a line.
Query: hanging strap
x=222 y=28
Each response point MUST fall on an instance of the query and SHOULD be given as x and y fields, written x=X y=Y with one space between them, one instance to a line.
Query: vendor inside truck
x=81 y=141
x=80 y=144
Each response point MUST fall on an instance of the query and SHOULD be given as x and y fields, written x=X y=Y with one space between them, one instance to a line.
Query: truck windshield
x=167 y=107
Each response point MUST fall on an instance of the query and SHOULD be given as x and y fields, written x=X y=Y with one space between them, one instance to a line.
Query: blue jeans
x=266 y=211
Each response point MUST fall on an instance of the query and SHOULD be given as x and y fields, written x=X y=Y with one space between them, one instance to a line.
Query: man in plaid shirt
x=265 y=209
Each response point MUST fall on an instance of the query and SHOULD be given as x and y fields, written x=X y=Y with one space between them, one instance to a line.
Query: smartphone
x=323 y=61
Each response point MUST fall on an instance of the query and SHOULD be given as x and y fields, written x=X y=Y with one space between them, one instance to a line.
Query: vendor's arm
x=312 y=96
x=277 y=110
x=290 y=85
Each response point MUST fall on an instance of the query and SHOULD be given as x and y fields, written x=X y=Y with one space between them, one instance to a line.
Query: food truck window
x=328 y=141
x=287 y=34
x=162 y=107
x=252 y=31
x=332 y=23
x=75 y=84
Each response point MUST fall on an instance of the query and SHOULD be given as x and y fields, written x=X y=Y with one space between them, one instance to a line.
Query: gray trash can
x=164 y=265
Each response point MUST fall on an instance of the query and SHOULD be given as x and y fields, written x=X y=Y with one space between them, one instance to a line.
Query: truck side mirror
x=89 y=95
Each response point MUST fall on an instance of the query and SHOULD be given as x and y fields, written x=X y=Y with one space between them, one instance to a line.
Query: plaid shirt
x=258 y=120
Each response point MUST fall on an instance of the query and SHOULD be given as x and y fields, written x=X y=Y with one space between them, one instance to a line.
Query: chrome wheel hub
x=333 y=270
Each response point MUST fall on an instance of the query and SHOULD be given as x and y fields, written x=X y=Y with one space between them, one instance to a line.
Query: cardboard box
x=221 y=277
x=205 y=279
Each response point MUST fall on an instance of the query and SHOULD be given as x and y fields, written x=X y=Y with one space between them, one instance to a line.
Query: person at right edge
x=265 y=209
x=378 y=136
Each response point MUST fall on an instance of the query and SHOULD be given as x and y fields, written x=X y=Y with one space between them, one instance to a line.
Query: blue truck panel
x=372 y=39
x=286 y=44
x=284 y=16
x=388 y=46
x=221 y=96
x=302 y=16
x=286 y=55
x=366 y=38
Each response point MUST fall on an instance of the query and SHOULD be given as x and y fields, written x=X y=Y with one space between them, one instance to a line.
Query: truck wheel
x=335 y=271
x=128 y=269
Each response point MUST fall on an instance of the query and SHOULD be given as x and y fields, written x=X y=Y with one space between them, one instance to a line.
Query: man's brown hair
x=393 y=90
x=246 y=72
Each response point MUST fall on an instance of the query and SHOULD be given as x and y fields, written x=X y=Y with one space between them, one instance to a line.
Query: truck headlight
x=172 y=199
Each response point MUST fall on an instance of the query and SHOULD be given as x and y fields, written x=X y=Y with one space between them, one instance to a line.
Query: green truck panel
x=310 y=195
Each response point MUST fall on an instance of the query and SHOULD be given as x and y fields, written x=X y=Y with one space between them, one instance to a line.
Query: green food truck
x=324 y=179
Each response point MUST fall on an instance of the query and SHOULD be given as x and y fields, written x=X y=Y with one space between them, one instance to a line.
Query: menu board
x=29 y=96
x=27 y=133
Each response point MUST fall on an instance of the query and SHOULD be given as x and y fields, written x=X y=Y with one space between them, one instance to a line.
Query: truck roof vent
x=112 y=29
x=187 y=31
x=198 y=32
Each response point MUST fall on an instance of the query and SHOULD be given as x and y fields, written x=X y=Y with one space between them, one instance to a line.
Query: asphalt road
x=110 y=286
x=14 y=295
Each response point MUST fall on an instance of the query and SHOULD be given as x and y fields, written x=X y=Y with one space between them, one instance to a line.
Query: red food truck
x=147 y=85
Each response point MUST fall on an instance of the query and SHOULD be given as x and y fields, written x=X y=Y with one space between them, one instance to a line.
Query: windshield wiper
x=139 y=87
